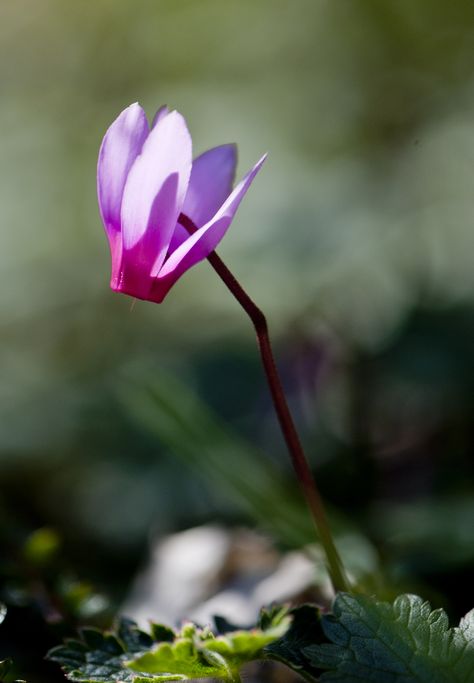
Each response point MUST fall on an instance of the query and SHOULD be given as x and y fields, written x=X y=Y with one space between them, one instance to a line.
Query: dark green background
x=356 y=239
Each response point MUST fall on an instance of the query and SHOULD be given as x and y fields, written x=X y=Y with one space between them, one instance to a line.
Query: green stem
x=298 y=458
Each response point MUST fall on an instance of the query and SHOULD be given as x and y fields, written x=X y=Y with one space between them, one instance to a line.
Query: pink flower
x=145 y=180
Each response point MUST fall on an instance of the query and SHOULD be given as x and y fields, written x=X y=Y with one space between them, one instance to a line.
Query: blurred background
x=121 y=423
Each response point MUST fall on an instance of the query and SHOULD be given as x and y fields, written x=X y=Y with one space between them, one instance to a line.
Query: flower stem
x=298 y=458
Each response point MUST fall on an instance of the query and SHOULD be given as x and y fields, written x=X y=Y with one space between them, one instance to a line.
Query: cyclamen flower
x=145 y=179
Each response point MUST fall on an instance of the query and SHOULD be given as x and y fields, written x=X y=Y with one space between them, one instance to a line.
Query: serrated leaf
x=239 y=647
x=198 y=653
x=181 y=658
x=305 y=630
x=403 y=642
x=130 y=655
x=101 y=658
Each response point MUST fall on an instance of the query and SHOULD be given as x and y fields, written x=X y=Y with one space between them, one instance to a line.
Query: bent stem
x=298 y=458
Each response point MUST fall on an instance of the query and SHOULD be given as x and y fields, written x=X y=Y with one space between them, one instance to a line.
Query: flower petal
x=137 y=261
x=199 y=245
x=145 y=207
x=179 y=236
x=160 y=114
x=120 y=147
x=212 y=177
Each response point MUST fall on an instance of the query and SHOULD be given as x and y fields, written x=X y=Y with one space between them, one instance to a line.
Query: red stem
x=298 y=458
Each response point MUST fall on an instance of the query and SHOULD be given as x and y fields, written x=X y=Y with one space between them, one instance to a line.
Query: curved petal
x=145 y=207
x=160 y=114
x=179 y=236
x=120 y=147
x=138 y=260
x=199 y=245
x=212 y=177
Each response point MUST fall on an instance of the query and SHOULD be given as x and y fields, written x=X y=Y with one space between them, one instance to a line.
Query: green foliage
x=403 y=642
x=80 y=600
x=305 y=630
x=4 y=668
x=5 y=672
x=131 y=655
x=101 y=656
x=195 y=434
x=36 y=575
x=41 y=547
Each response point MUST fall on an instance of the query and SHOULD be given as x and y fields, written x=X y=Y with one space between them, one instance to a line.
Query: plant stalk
x=298 y=458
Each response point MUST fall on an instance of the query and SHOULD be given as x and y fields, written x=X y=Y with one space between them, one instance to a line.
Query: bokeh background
x=120 y=422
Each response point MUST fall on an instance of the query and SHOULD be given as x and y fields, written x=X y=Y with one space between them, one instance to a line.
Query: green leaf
x=130 y=655
x=181 y=657
x=403 y=642
x=101 y=656
x=305 y=630
x=198 y=653
x=271 y=617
